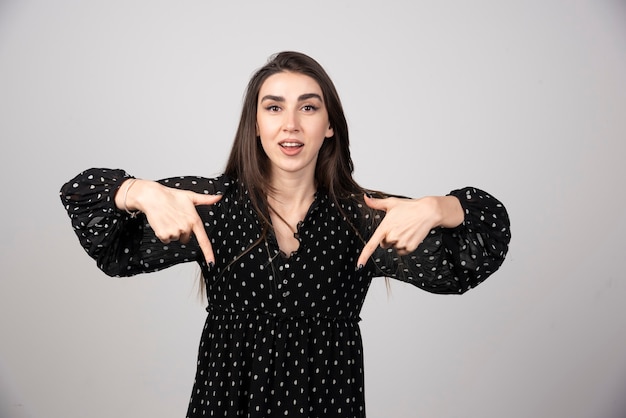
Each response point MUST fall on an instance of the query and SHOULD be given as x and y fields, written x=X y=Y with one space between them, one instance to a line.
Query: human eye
x=272 y=108
x=309 y=108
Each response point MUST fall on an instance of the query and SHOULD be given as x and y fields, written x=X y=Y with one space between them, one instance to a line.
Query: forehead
x=289 y=84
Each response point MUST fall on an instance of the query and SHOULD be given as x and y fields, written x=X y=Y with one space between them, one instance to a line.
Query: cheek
x=265 y=127
x=263 y=143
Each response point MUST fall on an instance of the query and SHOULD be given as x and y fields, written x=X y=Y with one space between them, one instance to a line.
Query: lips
x=291 y=147
x=291 y=144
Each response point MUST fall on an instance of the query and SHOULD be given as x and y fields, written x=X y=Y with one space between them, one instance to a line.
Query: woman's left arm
x=443 y=244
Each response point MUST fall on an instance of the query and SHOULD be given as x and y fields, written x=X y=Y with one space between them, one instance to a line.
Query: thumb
x=374 y=203
x=205 y=199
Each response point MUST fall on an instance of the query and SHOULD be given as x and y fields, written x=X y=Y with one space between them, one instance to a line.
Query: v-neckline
x=298 y=232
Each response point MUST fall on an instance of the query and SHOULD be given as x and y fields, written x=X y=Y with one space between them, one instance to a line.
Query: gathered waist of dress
x=230 y=313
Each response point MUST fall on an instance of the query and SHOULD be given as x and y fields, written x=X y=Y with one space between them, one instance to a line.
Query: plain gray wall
x=526 y=99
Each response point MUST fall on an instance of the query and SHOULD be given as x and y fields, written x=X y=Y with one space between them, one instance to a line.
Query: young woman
x=287 y=243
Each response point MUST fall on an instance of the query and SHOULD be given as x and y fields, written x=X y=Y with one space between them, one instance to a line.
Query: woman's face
x=292 y=122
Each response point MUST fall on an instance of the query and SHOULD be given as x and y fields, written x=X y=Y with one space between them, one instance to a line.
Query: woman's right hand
x=170 y=212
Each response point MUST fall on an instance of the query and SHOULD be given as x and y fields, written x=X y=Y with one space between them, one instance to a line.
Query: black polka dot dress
x=281 y=337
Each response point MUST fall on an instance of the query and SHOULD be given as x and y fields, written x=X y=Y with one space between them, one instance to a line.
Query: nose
x=291 y=122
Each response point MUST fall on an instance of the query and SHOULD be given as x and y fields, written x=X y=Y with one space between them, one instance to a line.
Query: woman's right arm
x=167 y=231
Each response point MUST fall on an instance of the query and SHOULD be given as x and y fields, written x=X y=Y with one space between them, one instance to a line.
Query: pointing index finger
x=370 y=247
x=198 y=227
x=204 y=242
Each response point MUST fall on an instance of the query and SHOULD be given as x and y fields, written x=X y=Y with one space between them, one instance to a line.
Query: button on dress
x=282 y=338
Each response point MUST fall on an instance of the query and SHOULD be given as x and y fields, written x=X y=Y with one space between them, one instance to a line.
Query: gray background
x=526 y=99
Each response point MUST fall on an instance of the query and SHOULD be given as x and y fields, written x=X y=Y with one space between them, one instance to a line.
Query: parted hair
x=249 y=164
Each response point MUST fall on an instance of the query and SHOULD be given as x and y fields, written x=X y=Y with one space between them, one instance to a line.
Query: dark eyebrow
x=273 y=98
x=308 y=96
x=302 y=97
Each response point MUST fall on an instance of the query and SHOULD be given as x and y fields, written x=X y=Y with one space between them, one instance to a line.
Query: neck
x=292 y=191
x=289 y=202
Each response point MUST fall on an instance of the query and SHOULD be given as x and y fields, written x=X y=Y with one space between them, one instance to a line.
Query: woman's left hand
x=408 y=221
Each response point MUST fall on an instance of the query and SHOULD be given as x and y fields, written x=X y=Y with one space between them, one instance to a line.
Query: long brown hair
x=249 y=164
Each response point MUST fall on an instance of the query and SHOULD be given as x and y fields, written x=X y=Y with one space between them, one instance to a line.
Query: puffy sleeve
x=458 y=259
x=120 y=244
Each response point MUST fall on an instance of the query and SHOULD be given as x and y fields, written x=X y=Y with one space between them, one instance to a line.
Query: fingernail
x=359 y=267
x=368 y=194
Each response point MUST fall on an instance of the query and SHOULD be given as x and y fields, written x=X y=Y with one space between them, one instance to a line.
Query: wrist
x=450 y=211
x=125 y=199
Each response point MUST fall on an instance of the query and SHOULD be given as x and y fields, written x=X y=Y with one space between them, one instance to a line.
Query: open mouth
x=291 y=144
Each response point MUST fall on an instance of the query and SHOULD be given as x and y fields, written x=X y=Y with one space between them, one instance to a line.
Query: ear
x=330 y=132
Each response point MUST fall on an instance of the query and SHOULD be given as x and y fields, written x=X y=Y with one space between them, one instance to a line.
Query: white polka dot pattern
x=282 y=335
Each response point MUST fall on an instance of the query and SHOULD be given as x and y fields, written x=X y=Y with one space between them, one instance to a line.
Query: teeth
x=290 y=144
